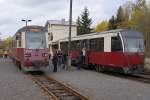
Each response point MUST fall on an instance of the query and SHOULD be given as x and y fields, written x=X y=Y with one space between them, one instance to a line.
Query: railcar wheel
x=101 y=69
x=97 y=68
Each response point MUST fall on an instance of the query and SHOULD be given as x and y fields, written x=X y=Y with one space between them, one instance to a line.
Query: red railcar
x=117 y=50
x=29 y=48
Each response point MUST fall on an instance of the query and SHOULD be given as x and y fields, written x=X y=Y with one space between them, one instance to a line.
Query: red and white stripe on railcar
x=121 y=50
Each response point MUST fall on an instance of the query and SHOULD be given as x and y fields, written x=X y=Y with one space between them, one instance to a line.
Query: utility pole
x=69 y=42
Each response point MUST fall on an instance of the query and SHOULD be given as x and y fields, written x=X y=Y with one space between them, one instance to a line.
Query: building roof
x=60 y=22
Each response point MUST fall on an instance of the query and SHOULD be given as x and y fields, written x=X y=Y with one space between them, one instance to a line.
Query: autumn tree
x=140 y=20
x=103 y=26
x=133 y=15
x=6 y=43
x=120 y=20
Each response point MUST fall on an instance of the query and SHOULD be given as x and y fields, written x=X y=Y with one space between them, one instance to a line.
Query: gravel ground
x=15 y=85
x=98 y=86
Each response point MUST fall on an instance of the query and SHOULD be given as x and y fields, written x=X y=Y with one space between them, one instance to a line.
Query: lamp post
x=26 y=21
x=69 y=42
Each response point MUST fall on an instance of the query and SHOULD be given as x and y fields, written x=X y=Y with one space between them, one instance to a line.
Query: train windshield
x=133 y=41
x=35 y=40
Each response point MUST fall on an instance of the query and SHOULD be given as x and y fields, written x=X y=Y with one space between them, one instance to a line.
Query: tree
x=84 y=23
x=127 y=10
x=78 y=25
x=103 y=26
x=121 y=21
x=140 y=20
x=134 y=15
x=112 y=23
x=122 y=18
x=139 y=15
x=140 y=4
x=6 y=43
x=120 y=15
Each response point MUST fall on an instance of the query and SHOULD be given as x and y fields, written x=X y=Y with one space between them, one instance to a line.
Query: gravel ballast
x=15 y=85
x=98 y=86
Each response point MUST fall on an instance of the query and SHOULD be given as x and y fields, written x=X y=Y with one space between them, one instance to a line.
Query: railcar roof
x=93 y=34
x=97 y=33
x=124 y=32
x=41 y=28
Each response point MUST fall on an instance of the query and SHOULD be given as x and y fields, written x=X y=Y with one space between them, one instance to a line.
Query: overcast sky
x=39 y=11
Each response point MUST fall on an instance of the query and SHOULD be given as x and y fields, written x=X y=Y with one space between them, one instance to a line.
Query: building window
x=50 y=36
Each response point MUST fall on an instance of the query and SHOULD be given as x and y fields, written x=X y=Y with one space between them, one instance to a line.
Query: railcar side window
x=93 y=45
x=97 y=44
x=100 y=44
x=84 y=44
x=78 y=45
x=116 y=44
x=19 y=40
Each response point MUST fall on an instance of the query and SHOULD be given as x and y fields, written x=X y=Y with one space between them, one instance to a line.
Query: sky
x=39 y=11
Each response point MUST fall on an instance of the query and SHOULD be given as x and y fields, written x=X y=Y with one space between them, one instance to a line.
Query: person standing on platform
x=83 y=55
x=60 y=58
x=79 y=60
x=64 y=60
x=55 y=61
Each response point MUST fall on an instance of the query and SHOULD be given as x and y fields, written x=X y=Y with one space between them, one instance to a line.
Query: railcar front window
x=35 y=40
x=133 y=41
x=134 y=45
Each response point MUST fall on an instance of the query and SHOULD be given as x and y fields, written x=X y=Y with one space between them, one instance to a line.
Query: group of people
x=59 y=59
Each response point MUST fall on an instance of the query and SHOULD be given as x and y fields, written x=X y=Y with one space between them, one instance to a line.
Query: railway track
x=144 y=78
x=55 y=89
x=140 y=78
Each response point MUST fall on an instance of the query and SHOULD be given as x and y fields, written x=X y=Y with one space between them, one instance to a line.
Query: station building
x=59 y=29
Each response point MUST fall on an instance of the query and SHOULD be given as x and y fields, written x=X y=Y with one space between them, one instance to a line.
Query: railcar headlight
x=45 y=54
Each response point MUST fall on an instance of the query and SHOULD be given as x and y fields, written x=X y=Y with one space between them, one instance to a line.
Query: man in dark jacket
x=55 y=61
x=79 y=60
x=64 y=60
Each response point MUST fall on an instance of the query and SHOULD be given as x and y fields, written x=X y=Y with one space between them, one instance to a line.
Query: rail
x=56 y=89
x=143 y=78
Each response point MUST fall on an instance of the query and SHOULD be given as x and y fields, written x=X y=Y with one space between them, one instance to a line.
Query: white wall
x=61 y=31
